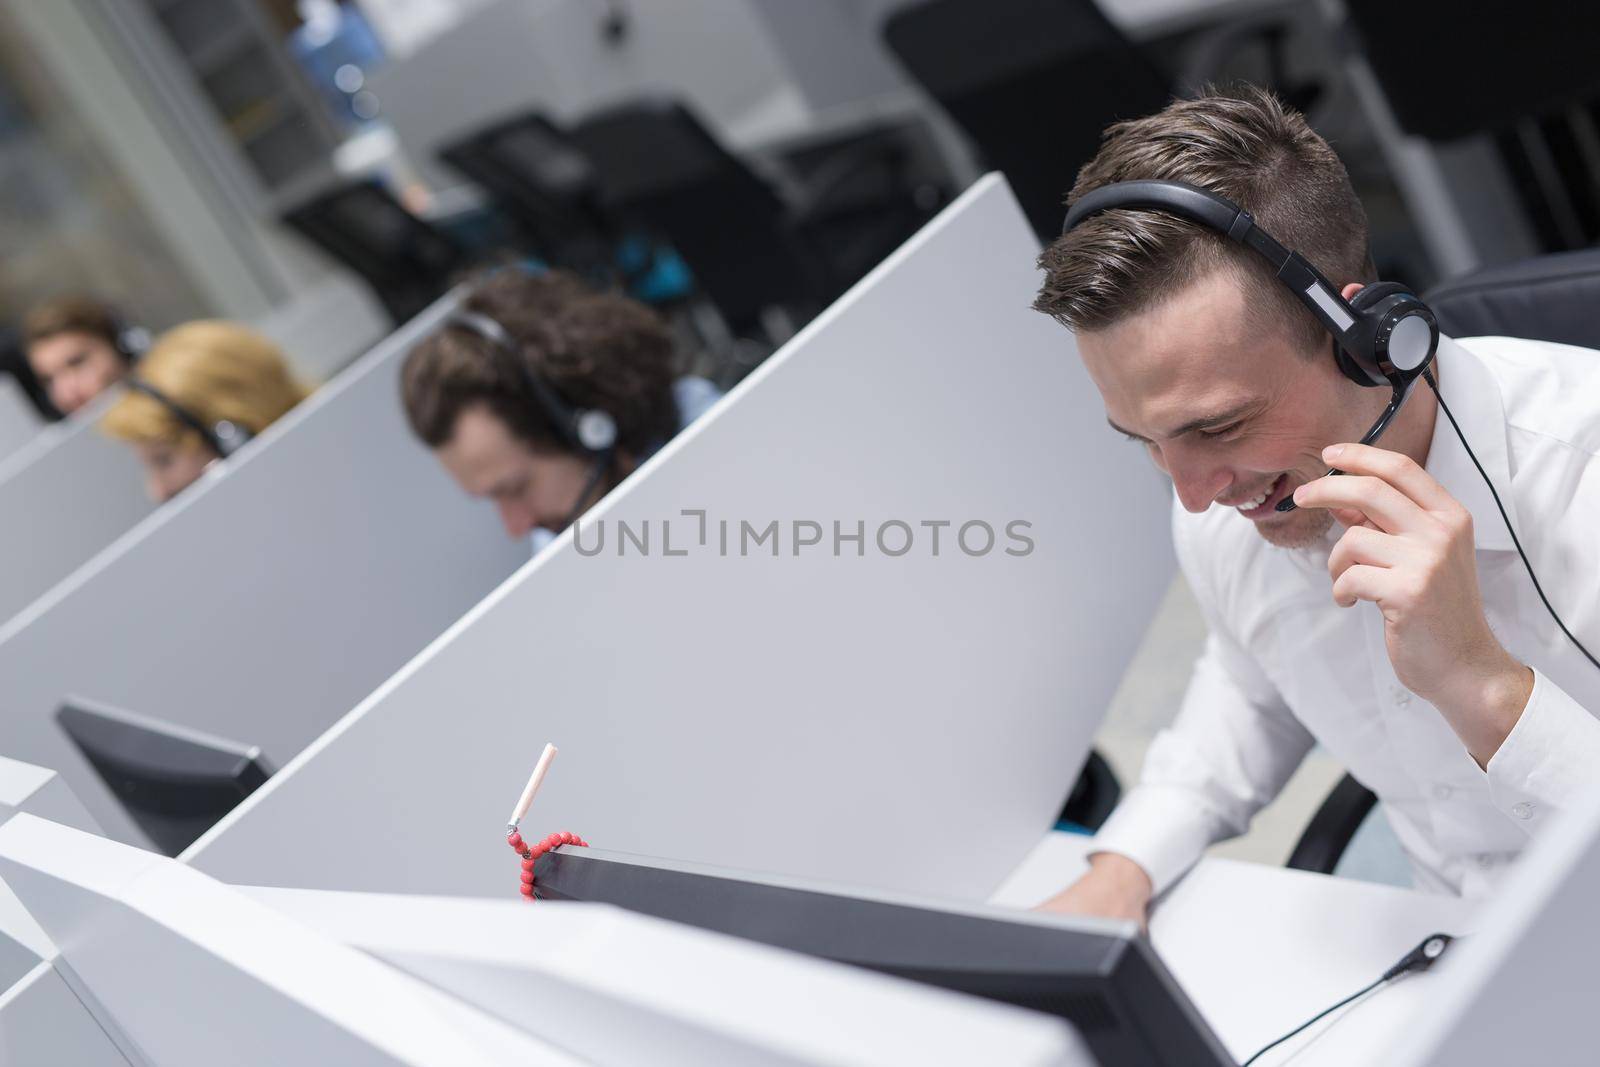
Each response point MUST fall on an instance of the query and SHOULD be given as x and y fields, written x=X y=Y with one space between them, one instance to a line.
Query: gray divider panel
x=907 y=721
x=268 y=598
x=19 y=423
x=66 y=495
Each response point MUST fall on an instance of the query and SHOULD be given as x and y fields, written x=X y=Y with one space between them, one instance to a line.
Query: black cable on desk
x=1323 y=1014
x=1418 y=959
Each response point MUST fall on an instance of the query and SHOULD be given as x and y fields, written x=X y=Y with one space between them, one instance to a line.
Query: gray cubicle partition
x=19 y=423
x=270 y=597
x=846 y=710
x=64 y=496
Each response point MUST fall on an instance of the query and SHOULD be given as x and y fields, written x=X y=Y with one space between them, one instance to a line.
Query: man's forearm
x=1484 y=707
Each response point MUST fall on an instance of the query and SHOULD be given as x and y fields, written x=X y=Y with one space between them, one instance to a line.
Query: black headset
x=587 y=431
x=130 y=342
x=1385 y=336
x=224 y=437
x=591 y=432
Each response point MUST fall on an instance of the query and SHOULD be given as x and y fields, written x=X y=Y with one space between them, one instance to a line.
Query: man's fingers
x=1364 y=545
x=1361 y=581
x=1400 y=471
x=1350 y=517
x=1375 y=498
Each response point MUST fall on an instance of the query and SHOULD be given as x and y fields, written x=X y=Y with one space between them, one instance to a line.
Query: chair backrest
x=1032 y=82
x=1547 y=298
x=1332 y=826
x=408 y=262
x=538 y=177
x=658 y=165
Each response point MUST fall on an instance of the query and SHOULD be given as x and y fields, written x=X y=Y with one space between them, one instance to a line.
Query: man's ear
x=1349 y=291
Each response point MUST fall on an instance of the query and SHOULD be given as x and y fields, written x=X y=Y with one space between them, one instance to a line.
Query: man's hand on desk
x=1115 y=888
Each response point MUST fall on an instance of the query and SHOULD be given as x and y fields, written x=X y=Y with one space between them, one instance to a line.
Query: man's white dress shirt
x=1285 y=667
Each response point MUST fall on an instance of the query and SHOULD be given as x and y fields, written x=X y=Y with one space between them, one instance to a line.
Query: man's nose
x=1197 y=484
x=516 y=520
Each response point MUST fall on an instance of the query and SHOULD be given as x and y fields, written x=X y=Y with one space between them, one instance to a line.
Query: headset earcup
x=1362 y=367
x=594 y=430
x=1371 y=294
x=1347 y=364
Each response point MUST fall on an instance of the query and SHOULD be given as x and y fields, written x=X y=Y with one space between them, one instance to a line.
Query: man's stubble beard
x=1304 y=528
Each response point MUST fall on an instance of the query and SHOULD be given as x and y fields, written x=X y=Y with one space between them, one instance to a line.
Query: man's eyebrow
x=1204 y=422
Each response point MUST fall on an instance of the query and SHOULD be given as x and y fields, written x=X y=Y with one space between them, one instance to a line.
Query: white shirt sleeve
x=1549 y=758
x=1229 y=751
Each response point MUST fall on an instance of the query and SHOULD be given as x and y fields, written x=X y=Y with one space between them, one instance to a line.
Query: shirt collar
x=1476 y=401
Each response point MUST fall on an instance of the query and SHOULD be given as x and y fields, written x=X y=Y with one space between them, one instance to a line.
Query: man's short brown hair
x=1243 y=144
x=596 y=350
x=72 y=314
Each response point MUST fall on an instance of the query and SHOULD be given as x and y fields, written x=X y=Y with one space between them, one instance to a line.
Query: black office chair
x=1031 y=82
x=1526 y=76
x=407 y=262
x=1333 y=826
x=1093 y=796
x=546 y=185
x=1547 y=298
x=659 y=167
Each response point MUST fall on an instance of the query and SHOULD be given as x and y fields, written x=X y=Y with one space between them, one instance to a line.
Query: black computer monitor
x=1101 y=976
x=175 y=782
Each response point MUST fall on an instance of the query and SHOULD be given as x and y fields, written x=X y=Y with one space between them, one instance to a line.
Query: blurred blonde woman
x=202 y=390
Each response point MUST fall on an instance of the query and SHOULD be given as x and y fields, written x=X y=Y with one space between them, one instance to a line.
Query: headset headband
x=1218 y=213
x=224 y=438
x=587 y=430
x=1386 y=336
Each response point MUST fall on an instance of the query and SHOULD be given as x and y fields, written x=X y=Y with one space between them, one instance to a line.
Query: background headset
x=130 y=342
x=1386 y=335
x=224 y=437
x=590 y=432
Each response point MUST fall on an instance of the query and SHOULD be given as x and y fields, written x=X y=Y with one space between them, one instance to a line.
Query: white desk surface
x=1262 y=949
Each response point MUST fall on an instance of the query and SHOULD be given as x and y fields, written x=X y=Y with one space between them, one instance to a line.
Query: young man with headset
x=78 y=347
x=541 y=394
x=1363 y=507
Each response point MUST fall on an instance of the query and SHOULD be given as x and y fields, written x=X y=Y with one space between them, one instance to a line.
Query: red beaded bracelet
x=531 y=854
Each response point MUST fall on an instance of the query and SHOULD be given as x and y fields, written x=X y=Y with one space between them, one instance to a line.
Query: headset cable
x=1427 y=376
x=1418 y=959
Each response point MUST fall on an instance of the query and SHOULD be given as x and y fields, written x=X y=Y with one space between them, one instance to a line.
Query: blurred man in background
x=541 y=394
x=77 y=347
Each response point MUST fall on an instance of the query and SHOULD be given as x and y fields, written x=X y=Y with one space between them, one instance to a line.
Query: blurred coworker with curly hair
x=541 y=394
x=203 y=389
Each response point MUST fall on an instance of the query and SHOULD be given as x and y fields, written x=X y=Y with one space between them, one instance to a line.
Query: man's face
x=530 y=488
x=1233 y=413
x=74 y=368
